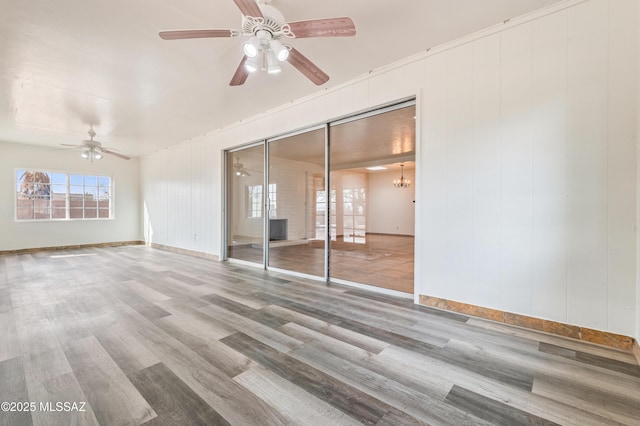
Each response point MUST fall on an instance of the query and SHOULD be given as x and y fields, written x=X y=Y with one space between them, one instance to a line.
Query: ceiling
x=67 y=65
x=377 y=140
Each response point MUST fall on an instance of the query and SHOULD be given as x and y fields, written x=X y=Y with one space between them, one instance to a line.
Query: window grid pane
x=254 y=201
x=43 y=195
x=272 y=200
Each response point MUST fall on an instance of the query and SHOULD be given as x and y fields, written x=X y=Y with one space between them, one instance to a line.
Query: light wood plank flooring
x=384 y=261
x=145 y=336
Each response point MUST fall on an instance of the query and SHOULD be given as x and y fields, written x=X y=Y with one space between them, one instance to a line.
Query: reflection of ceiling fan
x=93 y=150
x=265 y=26
x=239 y=170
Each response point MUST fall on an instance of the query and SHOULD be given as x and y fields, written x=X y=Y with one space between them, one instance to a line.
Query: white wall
x=22 y=235
x=529 y=166
x=526 y=176
x=181 y=194
x=391 y=210
x=637 y=335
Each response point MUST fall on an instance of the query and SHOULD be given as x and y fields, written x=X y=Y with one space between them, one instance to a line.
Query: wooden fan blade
x=240 y=75
x=249 y=8
x=306 y=67
x=106 y=151
x=332 y=27
x=183 y=34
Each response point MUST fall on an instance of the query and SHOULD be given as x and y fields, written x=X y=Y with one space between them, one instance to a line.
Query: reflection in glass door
x=372 y=219
x=297 y=203
x=245 y=204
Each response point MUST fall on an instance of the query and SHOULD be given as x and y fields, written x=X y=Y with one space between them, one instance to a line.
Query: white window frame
x=254 y=207
x=68 y=175
x=251 y=204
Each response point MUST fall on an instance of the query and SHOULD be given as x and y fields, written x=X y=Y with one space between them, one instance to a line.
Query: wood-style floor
x=145 y=336
x=384 y=261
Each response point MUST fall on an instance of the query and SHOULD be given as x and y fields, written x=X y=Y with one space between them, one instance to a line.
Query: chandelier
x=402 y=182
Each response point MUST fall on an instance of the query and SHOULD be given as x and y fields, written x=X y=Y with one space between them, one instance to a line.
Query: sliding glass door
x=334 y=202
x=297 y=203
x=373 y=214
x=245 y=204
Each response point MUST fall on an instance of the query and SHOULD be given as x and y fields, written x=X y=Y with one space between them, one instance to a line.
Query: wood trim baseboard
x=636 y=351
x=185 y=251
x=71 y=247
x=390 y=235
x=566 y=330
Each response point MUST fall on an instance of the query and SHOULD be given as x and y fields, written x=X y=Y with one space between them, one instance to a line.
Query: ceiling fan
x=239 y=170
x=93 y=150
x=265 y=26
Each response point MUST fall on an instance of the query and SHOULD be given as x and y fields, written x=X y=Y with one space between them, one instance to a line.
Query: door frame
x=327 y=125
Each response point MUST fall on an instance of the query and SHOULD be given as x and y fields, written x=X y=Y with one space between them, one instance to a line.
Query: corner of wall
x=637 y=336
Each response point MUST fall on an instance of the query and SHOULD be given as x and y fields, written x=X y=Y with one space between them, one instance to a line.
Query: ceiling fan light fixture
x=86 y=154
x=251 y=64
x=252 y=47
x=97 y=156
x=281 y=52
x=273 y=67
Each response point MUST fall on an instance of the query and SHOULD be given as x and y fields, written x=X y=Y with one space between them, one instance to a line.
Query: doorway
x=373 y=191
x=334 y=202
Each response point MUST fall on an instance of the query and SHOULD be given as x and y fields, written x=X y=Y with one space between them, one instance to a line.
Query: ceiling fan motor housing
x=271 y=26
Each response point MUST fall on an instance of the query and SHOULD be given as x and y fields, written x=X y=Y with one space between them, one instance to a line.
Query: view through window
x=254 y=201
x=45 y=195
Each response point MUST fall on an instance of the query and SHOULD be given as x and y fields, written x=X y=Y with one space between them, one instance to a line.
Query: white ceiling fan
x=93 y=150
x=267 y=29
x=239 y=170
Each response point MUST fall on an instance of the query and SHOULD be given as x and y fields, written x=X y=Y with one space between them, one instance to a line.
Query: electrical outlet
x=195 y=237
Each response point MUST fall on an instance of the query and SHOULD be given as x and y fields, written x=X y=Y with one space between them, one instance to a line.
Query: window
x=272 y=201
x=44 y=195
x=321 y=205
x=354 y=214
x=254 y=201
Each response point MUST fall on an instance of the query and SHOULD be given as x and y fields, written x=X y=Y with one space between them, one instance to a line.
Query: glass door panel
x=297 y=203
x=245 y=204
x=372 y=221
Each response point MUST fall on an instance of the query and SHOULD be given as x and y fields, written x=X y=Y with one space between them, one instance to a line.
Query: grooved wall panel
x=516 y=149
x=549 y=116
x=587 y=165
x=458 y=247
x=486 y=170
x=622 y=116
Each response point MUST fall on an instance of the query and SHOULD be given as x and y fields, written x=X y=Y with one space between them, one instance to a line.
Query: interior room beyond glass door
x=372 y=193
x=245 y=205
x=297 y=203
